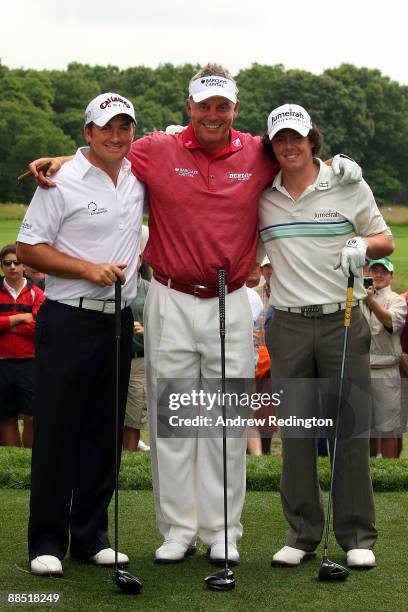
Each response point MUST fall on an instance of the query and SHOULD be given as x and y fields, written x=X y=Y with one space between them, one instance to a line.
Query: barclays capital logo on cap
x=214 y=82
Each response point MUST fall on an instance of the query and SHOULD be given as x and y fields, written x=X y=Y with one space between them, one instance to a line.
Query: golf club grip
x=221 y=295
x=26 y=175
x=349 y=300
x=118 y=305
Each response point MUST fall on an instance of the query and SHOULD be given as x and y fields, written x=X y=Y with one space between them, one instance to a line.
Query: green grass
x=263 y=473
x=180 y=588
x=400 y=256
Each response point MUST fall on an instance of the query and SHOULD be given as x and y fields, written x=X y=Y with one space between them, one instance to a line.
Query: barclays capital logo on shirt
x=94 y=209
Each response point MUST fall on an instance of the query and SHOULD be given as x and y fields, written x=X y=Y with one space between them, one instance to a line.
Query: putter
x=329 y=570
x=125 y=581
x=223 y=580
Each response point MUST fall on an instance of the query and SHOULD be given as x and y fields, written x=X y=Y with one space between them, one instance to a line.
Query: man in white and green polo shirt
x=315 y=232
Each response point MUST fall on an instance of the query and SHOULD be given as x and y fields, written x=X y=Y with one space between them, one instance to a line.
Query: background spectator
x=385 y=311
x=19 y=304
x=136 y=409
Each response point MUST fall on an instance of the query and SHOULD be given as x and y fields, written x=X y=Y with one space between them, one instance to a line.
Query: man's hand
x=138 y=328
x=370 y=291
x=104 y=274
x=346 y=169
x=352 y=257
x=19 y=319
x=174 y=129
x=42 y=177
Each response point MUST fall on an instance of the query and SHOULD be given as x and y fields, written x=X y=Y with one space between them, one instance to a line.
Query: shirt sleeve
x=43 y=218
x=368 y=219
x=398 y=310
x=139 y=155
x=28 y=329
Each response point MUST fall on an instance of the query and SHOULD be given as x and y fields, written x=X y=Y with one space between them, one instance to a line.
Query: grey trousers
x=312 y=348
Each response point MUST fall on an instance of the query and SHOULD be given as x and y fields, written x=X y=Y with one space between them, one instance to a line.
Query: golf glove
x=174 y=129
x=346 y=169
x=352 y=257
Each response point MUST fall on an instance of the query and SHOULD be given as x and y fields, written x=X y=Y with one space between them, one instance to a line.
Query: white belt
x=316 y=310
x=104 y=306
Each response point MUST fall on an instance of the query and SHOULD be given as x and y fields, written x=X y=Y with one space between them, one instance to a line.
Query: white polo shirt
x=86 y=216
x=303 y=238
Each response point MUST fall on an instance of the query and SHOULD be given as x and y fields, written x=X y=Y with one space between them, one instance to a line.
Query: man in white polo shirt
x=315 y=232
x=84 y=234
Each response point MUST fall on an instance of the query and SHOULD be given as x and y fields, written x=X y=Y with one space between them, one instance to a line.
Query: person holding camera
x=385 y=311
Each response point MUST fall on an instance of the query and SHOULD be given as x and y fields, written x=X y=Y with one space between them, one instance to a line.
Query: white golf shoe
x=106 y=558
x=46 y=565
x=290 y=557
x=217 y=553
x=142 y=446
x=361 y=558
x=172 y=551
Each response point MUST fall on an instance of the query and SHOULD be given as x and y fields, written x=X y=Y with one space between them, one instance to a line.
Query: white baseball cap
x=289 y=116
x=101 y=109
x=265 y=261
x=209 y=86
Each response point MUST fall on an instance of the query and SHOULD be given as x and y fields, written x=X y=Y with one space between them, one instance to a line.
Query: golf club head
x=126 y=582
x=221 y=581
x=330 y=571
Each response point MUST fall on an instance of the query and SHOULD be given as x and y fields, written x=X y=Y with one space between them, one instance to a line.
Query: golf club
x=125 y=581
x=223 y=580
x=329 y=570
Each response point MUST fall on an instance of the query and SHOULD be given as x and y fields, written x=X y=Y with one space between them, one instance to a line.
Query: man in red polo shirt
x=204 y=185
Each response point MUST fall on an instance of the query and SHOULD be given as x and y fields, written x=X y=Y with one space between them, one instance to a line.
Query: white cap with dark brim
x=209 y=86
x=104 y=107
x=290 y=117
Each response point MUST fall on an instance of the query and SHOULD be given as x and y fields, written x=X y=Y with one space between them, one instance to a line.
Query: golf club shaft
x=118 y=300
x=346 y=323
x=221 y=297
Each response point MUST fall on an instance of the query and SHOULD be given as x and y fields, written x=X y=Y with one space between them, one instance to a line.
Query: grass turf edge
x=263 y=473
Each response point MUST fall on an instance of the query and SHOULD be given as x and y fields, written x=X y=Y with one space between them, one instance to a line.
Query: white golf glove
x=352 y=257
x=346 y=169
x=174 y=129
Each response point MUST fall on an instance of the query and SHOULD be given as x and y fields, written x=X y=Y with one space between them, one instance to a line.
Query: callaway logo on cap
x=289 y=116
x=206 y=87
x=101 y=109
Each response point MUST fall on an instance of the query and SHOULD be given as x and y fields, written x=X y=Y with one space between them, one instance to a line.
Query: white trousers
x=182 y=341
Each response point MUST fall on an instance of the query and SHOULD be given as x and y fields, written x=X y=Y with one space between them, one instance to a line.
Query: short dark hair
x=6 y=250
x=315 y=136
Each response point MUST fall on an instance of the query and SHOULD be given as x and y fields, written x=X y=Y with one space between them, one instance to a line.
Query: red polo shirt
x=203 y=210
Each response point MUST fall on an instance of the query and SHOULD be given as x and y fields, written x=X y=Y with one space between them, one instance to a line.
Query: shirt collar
x=384 y=291
x=83 y=165
x=323 y=181
x=11 y=289
x=190 y=141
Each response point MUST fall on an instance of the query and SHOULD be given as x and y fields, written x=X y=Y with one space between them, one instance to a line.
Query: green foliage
x=361 y=112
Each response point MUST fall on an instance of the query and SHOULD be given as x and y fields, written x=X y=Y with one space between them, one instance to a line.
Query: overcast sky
x=311 y=35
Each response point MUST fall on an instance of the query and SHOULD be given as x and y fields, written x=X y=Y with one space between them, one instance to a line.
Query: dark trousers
x=310 y=349
x=73 y=468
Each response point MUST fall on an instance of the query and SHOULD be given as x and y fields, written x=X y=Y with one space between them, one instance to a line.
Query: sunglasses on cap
x=9 y=262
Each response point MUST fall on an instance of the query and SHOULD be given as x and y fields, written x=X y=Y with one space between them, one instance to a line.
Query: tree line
x=361 y=112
